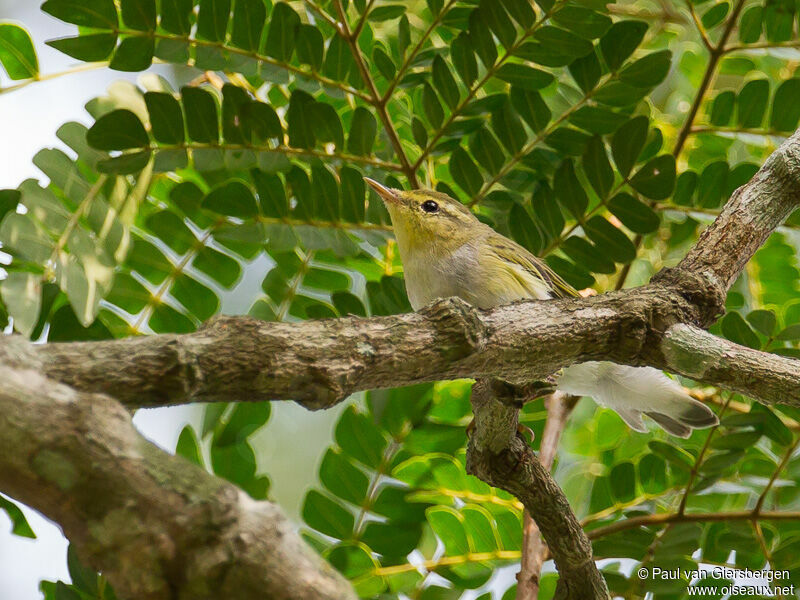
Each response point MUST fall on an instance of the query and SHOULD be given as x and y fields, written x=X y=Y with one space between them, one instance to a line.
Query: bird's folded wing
x=527 y=264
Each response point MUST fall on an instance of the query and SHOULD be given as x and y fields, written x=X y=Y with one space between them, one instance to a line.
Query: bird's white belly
x=439 y=278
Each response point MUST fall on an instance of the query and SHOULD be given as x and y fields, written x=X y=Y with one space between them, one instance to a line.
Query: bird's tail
x=634 y=391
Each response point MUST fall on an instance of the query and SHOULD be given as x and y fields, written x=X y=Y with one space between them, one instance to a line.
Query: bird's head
x=426 y=220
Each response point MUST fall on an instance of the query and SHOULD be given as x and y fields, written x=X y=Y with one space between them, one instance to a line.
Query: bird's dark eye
x=429 y=206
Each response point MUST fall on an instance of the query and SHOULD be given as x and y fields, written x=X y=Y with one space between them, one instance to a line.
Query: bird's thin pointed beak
x=386 y=194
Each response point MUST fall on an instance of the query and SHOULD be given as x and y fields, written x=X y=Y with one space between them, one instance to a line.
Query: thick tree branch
x=319 y=363
x=498 y=456
x=157 y=526
x=754 y=211
x=699 y=355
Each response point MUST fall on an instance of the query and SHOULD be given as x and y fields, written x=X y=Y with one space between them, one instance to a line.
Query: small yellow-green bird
x=446 y=251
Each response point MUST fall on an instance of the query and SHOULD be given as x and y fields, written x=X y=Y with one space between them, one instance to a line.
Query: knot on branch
x=706 y=295
x=17 y=352
x=459 y=328
x=231 y=325
x=320 y=391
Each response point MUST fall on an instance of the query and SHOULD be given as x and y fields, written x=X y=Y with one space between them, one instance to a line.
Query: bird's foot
x=525 y=433
x=519 y=395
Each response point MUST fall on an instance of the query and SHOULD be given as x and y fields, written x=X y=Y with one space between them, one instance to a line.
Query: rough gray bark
x=159 y=527
x=498 y=456
x=705 y=357
x=320 y=363
x=754 y=211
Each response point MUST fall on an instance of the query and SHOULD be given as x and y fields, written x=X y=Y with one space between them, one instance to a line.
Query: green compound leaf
x=200 y=108
x=19 y=524
x=623 y=481
x=763 y=321
x=327 y=516
x=362 y=132
x=524 y=230
x=648 y=71
x=736 y=329
x=88 y=48
x=597 y=167
x=310 y=46
x=133 y=54
x=118 y=130
x=722 y=108
x=715 y=15
x=139 y=14
x=431 y=106
x=620 y=41
x=101 y=14
x=444 y=82
x=568 y=189
x=448 y=525
x=175 y=16
x=750 y=25
x=17 y=54
x=656 y=179
x=249 y=17
x=611 y=241
x=233 y=198
x=188 y=446
x=752 y=103
x=166 y=117
x=212 y=19
x=523 y=76
x=627 y=144
x=464 y=172
x=785 y=107
x=463 y=58
x=634 y=214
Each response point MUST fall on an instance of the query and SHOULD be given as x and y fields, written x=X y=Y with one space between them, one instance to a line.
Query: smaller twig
x=762 y=46
x=472 y=92
x=559 y=407
x=663 y=16
x=374 y=98
x=784 y=461
x=715 y=54
x=666 y=518
x=700 y=28
x=415 y=50
x=733 y=130
x=281 y=149
x=322 y=14
x=362 y=20
x=496 y=455
x=156 y=298
x=93 y=66
x=698 y=461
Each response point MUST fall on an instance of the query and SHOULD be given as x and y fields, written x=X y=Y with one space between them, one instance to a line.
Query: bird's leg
x=519 y=395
